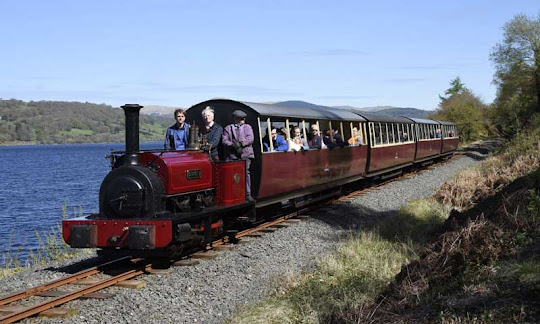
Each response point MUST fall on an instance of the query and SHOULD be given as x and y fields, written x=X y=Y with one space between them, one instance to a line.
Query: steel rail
x=38 y=308
x=19 y=295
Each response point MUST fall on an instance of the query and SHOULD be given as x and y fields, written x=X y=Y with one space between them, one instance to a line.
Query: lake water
x=36 y=180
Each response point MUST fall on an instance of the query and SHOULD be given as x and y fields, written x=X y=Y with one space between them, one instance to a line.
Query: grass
x=76 y=132
x=519 y=157
x=51 y=248
x=354 y=275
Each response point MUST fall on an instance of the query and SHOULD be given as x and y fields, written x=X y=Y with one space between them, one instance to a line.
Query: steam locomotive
x=162 y=201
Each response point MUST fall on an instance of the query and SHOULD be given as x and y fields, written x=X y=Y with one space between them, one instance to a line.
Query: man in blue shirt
x=177 y=135
x=278 y=142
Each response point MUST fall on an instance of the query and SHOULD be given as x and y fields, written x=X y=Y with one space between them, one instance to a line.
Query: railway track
x=10 y=313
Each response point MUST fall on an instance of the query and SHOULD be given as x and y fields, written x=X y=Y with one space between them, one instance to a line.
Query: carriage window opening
x=376 y=133
x=288 y=130
x=406 y=131
x=380 y=135
x=263 y=131
x=364 y=133
x=331 y=131
x=292 y=125
x=394 y=133
x=351 y=125
x=345 y=132
x=371 y=134
x=308 y=132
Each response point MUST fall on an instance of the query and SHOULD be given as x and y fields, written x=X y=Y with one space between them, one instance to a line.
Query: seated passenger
x=338 y=140
x=316 y=140
x=177 y=136
x=439 y=135
x=297 y=143
x=356 y=139
x=327 y=139
x=404 y=137
x=278 y=142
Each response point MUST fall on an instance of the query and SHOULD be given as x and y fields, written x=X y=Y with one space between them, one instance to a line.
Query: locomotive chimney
x=132 y=132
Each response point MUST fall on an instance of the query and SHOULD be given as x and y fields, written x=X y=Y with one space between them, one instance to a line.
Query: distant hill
x=48 y=122
x=378 y=110
x=408 y=112
x=299 y=104
x=159 y=111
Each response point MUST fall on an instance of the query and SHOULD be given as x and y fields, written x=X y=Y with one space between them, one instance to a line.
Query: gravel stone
x=211 y=291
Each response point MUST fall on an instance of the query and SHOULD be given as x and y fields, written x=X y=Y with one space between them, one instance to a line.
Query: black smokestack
x=132 y=132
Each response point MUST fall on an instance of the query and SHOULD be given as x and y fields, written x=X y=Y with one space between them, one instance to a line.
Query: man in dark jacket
x=316 y=140
x=212 y=133
x=238 y=141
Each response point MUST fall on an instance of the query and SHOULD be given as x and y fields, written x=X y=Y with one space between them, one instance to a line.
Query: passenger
x=338 y=140
x=404 y=137
x=298 y=143
x=211 y=133
x=316 y=140
x=450 y=134
x=327 y=139
x=177 y=136
x=439 y=135
x=278 y=142
x=238 y=141
x=356 y=139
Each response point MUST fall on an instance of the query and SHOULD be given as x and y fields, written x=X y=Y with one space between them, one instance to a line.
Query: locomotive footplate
x=133 y=234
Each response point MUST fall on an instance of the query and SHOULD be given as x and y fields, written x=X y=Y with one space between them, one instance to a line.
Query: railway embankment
x=467 y=254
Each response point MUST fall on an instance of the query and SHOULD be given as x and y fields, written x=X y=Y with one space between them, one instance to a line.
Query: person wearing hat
x=238 y=141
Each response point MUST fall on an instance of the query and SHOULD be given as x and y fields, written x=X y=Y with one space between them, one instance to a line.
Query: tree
x=517 y=73
x=462 y=107
x=456 y=87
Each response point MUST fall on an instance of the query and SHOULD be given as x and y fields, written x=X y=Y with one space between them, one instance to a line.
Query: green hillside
x=48 y=122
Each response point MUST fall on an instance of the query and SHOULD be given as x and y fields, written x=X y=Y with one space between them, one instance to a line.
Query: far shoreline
x=22 y=143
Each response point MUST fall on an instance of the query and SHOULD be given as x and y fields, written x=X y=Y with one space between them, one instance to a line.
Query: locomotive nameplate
x=193 y=174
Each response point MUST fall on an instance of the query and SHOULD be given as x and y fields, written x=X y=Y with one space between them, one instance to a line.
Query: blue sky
x=178 y=53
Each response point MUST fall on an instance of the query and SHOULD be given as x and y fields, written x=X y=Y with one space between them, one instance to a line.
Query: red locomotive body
x=181 y=172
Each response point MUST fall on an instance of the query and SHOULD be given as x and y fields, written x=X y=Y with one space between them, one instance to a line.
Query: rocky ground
x=211 y=291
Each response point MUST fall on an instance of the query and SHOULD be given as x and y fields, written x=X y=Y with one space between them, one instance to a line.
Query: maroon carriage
x=279 y=176
x=392 y=143
x=450 y=138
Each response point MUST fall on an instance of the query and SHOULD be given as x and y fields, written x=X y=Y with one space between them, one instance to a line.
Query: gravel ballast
x=211 y=291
